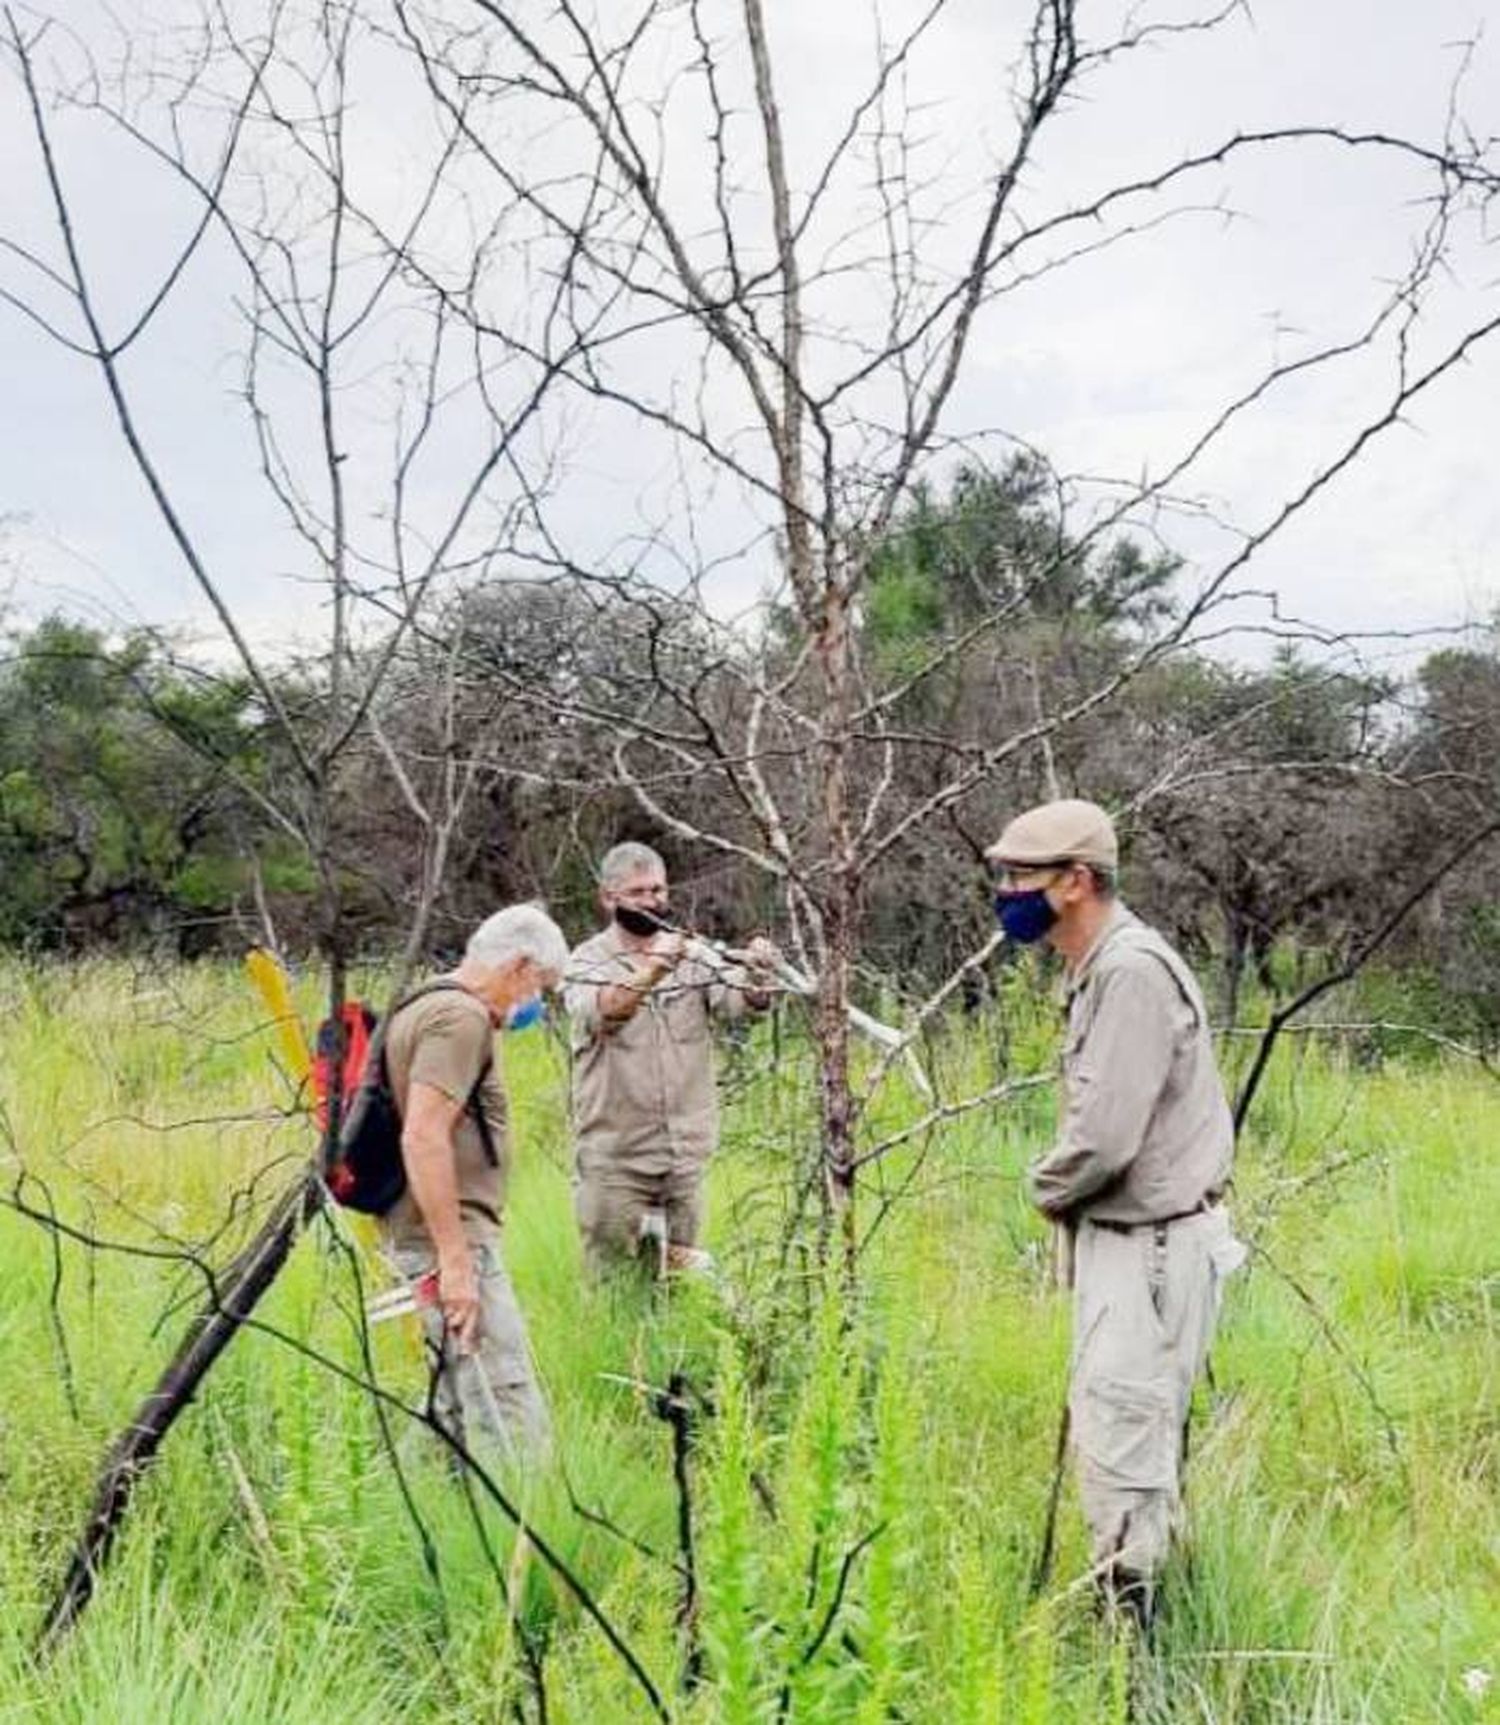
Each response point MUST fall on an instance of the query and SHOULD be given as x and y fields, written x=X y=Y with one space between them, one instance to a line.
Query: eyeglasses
x=1019 y=879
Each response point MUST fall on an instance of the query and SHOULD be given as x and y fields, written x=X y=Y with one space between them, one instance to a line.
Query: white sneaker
x=689 y=1260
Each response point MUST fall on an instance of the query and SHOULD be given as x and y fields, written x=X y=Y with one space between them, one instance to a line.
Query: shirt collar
x=1118 y=920
x=614 y=942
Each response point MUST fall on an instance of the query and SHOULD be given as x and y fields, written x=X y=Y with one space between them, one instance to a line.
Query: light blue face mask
x=525 y=1014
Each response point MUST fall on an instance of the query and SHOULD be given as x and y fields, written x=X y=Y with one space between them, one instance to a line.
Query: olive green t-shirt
x=445 y=1039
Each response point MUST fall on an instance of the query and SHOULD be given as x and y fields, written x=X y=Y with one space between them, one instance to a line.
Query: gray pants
x=1145 y=1308
x=610 y=1201
x=490 y=1396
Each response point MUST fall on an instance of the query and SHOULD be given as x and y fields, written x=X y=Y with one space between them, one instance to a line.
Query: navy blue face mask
x=1025 y=916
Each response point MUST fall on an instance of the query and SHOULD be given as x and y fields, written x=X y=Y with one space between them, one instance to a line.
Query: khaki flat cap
x=1067 y=831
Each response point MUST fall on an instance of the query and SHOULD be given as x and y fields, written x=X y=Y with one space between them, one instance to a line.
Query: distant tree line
x=1268 y=812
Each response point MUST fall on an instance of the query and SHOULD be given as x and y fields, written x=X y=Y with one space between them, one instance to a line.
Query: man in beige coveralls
x=645 y=1113
x=1142 y=1157
x=440 y=1057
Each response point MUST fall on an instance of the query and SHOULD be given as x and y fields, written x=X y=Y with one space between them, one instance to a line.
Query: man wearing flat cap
x=1142 y=1157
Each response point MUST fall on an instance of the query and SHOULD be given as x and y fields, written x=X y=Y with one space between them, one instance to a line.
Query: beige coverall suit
x=1143 y=1154
x=645 y=1111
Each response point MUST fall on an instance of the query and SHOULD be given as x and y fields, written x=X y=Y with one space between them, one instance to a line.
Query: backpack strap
x=1144 y=939
x=445 y=985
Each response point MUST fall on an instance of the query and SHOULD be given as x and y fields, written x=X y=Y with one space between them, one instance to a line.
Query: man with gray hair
x=645 y=1114
x=1137 y=1174
x=440 y=1057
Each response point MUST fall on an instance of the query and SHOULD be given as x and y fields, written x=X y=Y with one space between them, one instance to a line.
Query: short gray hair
x=1106 y=880
x=519 y=931
x=628 y=858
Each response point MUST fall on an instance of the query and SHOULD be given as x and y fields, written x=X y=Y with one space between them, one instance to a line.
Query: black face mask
x=635 y=919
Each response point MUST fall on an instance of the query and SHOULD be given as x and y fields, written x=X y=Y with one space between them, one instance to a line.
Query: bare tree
x=386 y=445
x=767 y=338
x=787 y=326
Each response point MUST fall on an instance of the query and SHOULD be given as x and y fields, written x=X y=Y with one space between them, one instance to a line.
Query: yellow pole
x=274 y=988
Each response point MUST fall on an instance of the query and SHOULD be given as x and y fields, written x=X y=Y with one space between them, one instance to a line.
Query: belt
x=1206 y=1202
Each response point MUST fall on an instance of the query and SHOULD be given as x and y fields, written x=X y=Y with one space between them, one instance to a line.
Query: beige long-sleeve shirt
x=643 y=1092
x=1145 y=1129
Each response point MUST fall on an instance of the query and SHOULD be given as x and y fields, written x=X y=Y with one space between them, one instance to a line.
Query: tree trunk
x=1234 y=962
x=233 y=1297
x=834 y=649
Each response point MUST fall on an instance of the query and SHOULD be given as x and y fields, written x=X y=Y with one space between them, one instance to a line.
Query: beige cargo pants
x=610 y=1202
x=489 y=1398
x=1145 y=1308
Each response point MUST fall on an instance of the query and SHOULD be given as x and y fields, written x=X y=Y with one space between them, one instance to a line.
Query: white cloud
x=1111 y=366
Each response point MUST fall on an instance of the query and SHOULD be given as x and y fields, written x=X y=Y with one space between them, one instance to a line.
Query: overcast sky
x=1109 y=367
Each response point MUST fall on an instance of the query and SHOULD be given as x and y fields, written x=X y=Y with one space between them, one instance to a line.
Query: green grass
x=870 y=1485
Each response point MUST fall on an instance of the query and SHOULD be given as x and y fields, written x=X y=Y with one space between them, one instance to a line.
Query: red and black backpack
x=367 y=1173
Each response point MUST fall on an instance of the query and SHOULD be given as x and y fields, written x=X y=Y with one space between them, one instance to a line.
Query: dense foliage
x=1269 y=812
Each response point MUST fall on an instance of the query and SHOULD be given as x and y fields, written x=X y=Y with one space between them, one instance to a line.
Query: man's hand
x=762 y=958
x=619 y=1001
x=665 y=950
x=458 y=1295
